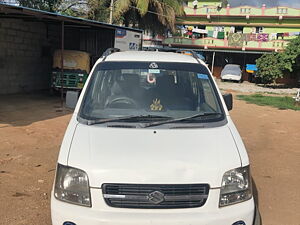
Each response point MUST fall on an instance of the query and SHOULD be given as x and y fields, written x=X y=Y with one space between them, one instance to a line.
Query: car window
x=127 y=88
x=232 y=67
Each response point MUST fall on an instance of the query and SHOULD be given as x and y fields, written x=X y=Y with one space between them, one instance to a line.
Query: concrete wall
x=26 y=55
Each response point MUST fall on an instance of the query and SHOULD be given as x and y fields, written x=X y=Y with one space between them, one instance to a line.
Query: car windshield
x=154 y=90
x=232 y=69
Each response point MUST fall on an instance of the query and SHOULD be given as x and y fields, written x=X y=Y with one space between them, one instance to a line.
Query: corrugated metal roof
x=217 y=50
x=232 y=51
x=13 y=11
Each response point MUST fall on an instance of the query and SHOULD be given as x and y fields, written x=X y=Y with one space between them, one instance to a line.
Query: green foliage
x=290 y=55
x=98 y=10
x=224 y=3
x=154 y=15
x=272 y=66
x=269 y=68
x=47 y=5
x=273 y=101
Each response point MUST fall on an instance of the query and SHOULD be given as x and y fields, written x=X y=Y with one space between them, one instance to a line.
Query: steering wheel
x=122 y=100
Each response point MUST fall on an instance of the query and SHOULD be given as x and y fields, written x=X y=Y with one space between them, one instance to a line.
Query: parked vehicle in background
x=76 y=69
x=151 y=141
x=232 y=72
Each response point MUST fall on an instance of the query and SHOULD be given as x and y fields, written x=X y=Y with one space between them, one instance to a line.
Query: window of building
x=210 y=9
x=203 y=27
x=245 y=10
x=282 y=10
x=219 y=29
x=239 y=29
x=259 y=30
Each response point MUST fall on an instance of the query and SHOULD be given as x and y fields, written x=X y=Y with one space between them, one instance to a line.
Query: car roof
x=152 y=56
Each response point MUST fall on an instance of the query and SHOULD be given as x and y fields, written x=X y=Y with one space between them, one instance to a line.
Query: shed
x=29 y=37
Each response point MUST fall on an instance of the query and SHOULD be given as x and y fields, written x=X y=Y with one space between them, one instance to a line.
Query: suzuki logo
x=156 y=197
x=153 y=66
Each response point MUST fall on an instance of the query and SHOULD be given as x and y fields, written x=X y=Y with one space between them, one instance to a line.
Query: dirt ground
x=32 y=127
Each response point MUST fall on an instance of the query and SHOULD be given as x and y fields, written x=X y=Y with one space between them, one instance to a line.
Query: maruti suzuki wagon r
x=151 y=142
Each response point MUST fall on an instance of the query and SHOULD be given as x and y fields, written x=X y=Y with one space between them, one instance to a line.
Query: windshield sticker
x=202 y=76
x=155 y=71
x=156 y=106
x=151 y=79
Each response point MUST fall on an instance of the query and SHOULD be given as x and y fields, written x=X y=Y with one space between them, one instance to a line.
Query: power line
x=151 y=12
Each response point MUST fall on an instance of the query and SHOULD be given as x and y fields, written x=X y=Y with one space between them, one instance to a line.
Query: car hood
x=148 y=156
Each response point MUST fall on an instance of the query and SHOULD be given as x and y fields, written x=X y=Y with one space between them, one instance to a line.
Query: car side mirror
x=228 y=101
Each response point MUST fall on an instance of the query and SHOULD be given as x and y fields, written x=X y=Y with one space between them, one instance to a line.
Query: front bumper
x=102 y=214
x=231 y=77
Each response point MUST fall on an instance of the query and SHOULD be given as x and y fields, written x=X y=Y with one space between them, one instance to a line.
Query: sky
x=269 y=3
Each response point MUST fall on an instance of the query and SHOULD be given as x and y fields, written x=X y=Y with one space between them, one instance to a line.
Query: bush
x=269 y=68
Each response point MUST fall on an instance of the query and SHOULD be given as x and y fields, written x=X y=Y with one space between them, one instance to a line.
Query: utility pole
x=111 y=11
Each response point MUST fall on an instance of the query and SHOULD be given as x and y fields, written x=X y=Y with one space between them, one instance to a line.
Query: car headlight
x=72 y=185
x=236 y=186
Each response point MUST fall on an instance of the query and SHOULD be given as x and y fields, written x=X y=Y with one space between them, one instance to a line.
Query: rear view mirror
x=228 y=101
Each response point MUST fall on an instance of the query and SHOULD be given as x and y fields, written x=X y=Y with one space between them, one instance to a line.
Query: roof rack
x=185 y=51
x=181 y=51
x=110 y=51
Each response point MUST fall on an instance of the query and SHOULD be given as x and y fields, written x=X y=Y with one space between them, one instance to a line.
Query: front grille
x=156 y=196
x=69 y=80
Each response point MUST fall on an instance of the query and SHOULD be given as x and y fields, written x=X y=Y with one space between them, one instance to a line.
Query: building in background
x=152 y=41
x=234 y=34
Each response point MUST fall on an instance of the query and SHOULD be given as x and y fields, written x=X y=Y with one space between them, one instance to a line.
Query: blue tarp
x=251 y=67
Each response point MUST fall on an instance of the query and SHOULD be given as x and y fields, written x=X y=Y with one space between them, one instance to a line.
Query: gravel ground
x=32 y=128
x=247 y=87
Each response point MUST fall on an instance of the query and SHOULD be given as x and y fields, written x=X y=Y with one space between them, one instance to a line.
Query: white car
x=151 y=142
x=232 y=72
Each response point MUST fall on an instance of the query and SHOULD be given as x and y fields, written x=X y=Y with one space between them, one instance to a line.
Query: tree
x=272 y=67
x=98 y=10
x=48 y=5
x=269 y=68
x=289 y=56
x=154 y=15
x=224 y=3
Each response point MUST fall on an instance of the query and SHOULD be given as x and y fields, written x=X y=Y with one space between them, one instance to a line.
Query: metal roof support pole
x=244 y=66
x=111 y=11
x=62 y=63
x=213 y=63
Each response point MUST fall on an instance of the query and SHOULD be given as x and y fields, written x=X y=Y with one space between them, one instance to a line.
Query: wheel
x=121 y=101
x=257 y=219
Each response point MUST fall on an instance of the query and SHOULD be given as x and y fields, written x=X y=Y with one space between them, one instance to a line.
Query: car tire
x=257 y=219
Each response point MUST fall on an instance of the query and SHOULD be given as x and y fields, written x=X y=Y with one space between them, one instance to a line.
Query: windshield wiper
x=116 y=119
x=182 y=119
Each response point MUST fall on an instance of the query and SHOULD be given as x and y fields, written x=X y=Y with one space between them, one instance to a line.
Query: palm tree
x=224 y=3
x=153 y=15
